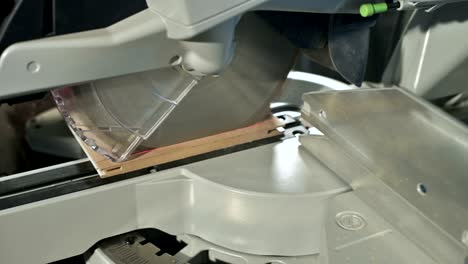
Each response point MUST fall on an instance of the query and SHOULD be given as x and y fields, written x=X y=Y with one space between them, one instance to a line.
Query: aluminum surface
x=233 y=206
x=184 y=201
x=416 y=150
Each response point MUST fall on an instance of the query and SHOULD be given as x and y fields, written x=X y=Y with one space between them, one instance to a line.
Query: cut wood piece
x=258 y=131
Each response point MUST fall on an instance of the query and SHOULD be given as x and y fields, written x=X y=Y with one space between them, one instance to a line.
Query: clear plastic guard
x=113 y=116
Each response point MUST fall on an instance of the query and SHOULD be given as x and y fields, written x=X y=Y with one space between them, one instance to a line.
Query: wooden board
x=262 y=130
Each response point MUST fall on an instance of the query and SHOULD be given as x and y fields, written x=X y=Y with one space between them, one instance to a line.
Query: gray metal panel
x=65 y=226
x=285 y=168
x=179 y=201
x=185 y=18
x=431 y=58
x=406 y=143
x=377 y=242
x=403 y=216
x=135 y=44
x=139 y=43
x=209 y=205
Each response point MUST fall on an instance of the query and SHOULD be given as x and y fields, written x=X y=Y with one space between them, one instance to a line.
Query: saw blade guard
x=113 y=116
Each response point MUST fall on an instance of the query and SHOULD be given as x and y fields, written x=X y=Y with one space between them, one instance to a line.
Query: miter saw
x=372 y=175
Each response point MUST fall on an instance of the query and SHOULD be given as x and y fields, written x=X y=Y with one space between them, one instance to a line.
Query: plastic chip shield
x=113 y=116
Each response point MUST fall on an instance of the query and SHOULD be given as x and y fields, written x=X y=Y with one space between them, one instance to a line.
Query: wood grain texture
x=258 y=131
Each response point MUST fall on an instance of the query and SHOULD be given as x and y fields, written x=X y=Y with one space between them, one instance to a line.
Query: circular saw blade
x=129 y=114
x=240 y=96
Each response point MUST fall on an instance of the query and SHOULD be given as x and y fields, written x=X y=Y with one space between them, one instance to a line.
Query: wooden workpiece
x=262 y=130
